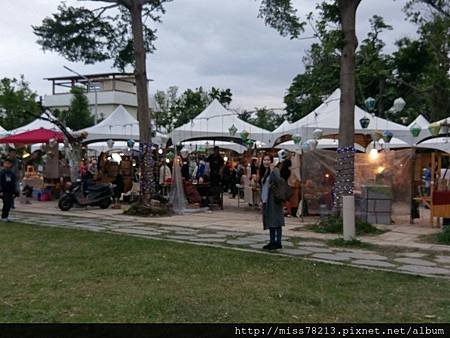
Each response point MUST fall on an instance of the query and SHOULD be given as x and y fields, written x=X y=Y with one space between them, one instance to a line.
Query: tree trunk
x=143 y=112
x=345 y=166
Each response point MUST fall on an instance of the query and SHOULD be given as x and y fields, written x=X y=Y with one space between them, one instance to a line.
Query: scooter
x=95 y=195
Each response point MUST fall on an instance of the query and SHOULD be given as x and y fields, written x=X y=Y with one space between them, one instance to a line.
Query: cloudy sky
x=205 y=43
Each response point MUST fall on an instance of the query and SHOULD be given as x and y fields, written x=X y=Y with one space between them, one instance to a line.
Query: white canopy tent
x=326 y=117
x=120 y=125
x=214 y=123
x=421 y=121
x=37 y=124
x=326 y=143
x=282 y=127
x=197 y=145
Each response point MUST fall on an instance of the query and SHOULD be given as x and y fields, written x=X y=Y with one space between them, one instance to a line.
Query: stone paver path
x=424 y=263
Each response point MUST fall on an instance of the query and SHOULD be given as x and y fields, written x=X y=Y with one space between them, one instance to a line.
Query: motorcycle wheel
x=104 y=204
x=65 y=203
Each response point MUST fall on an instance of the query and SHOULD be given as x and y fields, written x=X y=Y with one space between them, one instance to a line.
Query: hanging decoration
x=399 y=104
x=305 y=147
x=130 y=143
x=249 y=144
x=370 y=103
x=312 y=144
x=170 y=155
x=296 y=138
x=377 y=135
x=244 y=135
x=387 y=136
x=364 y=122
x=232 y=130
x=434 y=128
x=345 y=171
x=317 y=134
x=110 y=143
x=415 y=130
x=184 y=153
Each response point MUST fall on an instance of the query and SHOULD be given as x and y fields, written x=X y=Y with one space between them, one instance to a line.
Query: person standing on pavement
x=273 y=218
x=16 y=168
x=8 y=188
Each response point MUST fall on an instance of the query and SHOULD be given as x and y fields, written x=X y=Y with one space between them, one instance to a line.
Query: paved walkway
x=203 y=229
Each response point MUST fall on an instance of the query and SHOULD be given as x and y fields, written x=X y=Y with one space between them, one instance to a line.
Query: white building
x=105 y=93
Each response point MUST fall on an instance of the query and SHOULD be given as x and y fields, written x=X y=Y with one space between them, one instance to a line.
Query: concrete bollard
x=348 y=213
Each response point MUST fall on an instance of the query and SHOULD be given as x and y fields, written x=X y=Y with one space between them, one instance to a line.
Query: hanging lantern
x=317 y=134
x=296 y=138
x=170 y=155
x=434 y=128
x=399 y=104
x=232 y=130
x=387 y=136
x=305 y=147
x=244 y=135
x=312 y=144
x=130 y=143
x=415 y=130
x=110 y=143
x=364 y=122
x=184 y=153
x=370 y=103
x=250 y=144
x=377 y=135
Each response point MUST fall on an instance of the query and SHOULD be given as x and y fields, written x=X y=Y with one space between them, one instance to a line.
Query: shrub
x=334 y=224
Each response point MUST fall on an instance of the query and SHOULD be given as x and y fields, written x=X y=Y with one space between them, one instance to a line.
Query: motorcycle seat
x=98 y=187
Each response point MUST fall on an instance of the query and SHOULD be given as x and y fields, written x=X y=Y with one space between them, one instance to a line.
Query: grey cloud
x=200 y=43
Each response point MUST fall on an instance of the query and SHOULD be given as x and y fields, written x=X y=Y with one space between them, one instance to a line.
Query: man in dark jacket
x=8 y=188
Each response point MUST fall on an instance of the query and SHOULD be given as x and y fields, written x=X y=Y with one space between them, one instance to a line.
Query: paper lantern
x=387 y=136
x=244 y=135
x=370 y=103
x=399 y=104
x=317 y=133
x=297 y=139
x=434 y=128
x=130 y=143
x=110 y=143
x=312 y=144
x=415 y=130
x=184 y=153
x=305 y=147
x=170 y=155
x=232 y=130
x=364 y=122
x=377 y=135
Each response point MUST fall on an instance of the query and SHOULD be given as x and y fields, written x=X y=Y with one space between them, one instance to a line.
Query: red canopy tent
x=34 y=136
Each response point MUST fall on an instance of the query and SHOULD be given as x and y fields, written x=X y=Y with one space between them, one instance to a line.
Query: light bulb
x=225 y=158
x=160 y=151
x=373 y=155
x=167 y=160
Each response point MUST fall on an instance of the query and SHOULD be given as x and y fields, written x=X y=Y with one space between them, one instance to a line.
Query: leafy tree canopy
x=81 y=34
x=263 y=117
x=17 y=101
x=174 y=110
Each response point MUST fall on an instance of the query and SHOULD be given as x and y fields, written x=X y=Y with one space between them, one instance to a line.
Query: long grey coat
x=273 y=216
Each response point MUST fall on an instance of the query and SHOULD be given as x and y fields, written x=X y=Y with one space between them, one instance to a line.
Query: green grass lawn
x=60 y=275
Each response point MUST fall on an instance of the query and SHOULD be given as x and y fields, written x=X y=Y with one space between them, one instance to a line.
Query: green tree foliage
x=417 y=71
x=17 y=101
x=81 y=34
x=174 y=110
x=79 y=115
x=263 y=117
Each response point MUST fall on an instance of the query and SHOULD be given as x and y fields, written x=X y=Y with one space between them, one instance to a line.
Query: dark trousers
x=275 y=235
x=8 y=200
